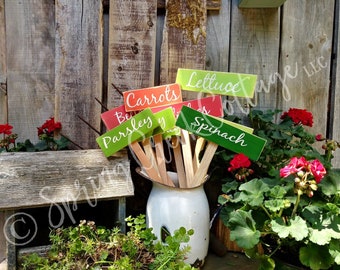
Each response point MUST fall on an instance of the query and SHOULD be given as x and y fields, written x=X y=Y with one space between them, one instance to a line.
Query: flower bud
x=313 y=186
x=299 y=191
x=319 y=137
x=286 y=204
x=300 y=173
x=297 y=180
x=310 y=193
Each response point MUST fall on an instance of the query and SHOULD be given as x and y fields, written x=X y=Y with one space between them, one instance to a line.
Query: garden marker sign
x=166 y=120
x=217 y=83
x=137 y=100
x=211 y=105
x=115 y=117
x=221 y=133
x=127 y=132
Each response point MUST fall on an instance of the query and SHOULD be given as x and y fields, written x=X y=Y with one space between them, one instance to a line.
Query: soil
x=230 y=261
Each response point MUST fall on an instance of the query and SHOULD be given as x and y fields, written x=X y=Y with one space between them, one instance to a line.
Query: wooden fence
x=57 y=58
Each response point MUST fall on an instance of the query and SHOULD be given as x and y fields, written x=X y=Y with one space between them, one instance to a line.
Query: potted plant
x=88 y=246
x=288 y=201
x=47 y=133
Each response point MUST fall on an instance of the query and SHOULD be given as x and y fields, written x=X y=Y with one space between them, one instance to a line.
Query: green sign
x=221 y=133
x=217 y=83
x=129 y=131
x=166 y=120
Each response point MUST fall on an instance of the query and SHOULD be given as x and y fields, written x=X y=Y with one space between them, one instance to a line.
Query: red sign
x=140 y=99
x=115 y=117
x=211 y=105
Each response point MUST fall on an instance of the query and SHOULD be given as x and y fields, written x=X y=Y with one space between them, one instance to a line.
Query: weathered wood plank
x=30 y=64
x=47 y=178
x=2 y=237
x=307 y=29
x=184 y=39
x=3 y=71
x=211 y=4
x=3 y=108
x=184 y=42
x=132 y=42
x=78 y=80
x=254 y=49
x=218 y=38
x=335 y=107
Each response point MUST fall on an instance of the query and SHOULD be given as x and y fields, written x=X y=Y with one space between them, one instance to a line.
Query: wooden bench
x=57 y=179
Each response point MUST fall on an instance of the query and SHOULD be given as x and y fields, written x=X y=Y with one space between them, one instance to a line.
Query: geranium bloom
x=318 y=170
x=239 y=161
x=319 y=137
x=295 y=165
x=6 y=129
x=299 y=116
x=49 y=126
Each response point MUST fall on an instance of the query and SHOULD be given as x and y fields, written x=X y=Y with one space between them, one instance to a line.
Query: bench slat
x=45 y=178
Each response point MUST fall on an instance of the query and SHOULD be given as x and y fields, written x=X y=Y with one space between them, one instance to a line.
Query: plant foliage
x=288 y=201
x=87 y=246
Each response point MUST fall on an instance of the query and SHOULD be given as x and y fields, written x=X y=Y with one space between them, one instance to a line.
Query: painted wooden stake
x=140 y=99
x=136 y=128
x=216 y=82
x=221 y=133
x=179 y=162
x=211 y=105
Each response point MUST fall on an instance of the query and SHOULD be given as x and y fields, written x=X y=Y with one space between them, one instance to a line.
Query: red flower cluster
x=299 y=116
x=49 y=127
x=239 y=161
x=301 y=166
x=6 y=129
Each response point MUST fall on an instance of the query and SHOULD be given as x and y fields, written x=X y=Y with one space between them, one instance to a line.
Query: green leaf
x=243 y=230
x=330 y=184
x=297 y=228
x=324 y=236
x=266 y=263
x=275 y=205
x=334 y=250
x=315 y=257
x=253 y=192
x=230 y=186
x=277 y=192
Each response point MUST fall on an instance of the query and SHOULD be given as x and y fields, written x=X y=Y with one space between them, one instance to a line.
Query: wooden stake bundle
x=191 y=171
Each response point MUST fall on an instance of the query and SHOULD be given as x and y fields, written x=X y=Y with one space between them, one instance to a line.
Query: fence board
x=336 y=105
x=178 y=49
x=132 y=46
x=3 y=79
x=254 y=49
x=306 y=50
x=218 y=33
x=30 y=64
x=78 y=76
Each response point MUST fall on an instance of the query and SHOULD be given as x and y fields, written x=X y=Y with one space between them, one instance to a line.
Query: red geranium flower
x=49 y=127
x=319 y=137
x=239 y=161
x=6 y=129
x=299 y=116
x=318 y=170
